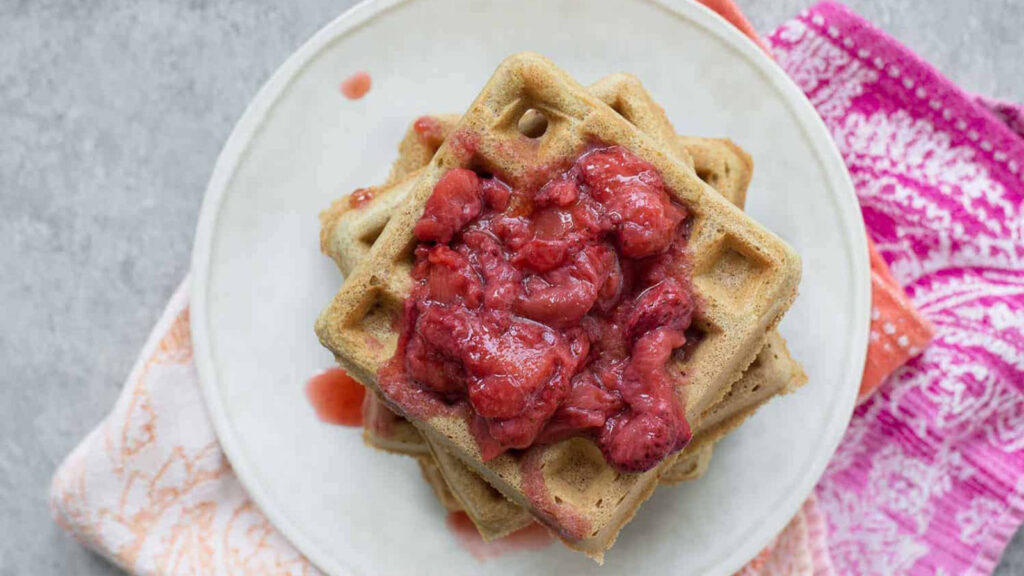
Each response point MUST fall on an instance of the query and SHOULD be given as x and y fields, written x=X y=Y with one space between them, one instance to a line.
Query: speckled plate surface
x=259 y=279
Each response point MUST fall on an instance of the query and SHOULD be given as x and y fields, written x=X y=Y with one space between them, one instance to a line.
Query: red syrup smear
x=360 y=197
x=429 y=130
x=531 y=537
x=336 y=397
x=357 y=85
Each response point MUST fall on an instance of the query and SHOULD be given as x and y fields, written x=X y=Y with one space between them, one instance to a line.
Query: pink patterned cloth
x=930 y=477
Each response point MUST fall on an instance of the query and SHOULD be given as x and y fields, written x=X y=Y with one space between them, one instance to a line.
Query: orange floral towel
x=150 y=488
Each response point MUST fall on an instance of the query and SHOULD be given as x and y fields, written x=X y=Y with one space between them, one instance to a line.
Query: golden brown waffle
x=745 y=277
x=493 y=514
x=432 y=474
x=385 y=430
x=772 y=373
x=349 y=238
x=347 y=234
x=690 y=465
x=348 y=231
x=722 y=164
x=420 y=143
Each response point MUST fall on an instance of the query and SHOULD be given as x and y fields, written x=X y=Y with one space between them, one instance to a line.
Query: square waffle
x=772 y=373
x=432 y=474
x=715 y=162
x=691 y=464
x=494 y=515
x=385 y=430
x=347 y=234
x=745 y=277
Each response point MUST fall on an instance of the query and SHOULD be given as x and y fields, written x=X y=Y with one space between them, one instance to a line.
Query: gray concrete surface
x=111 y=117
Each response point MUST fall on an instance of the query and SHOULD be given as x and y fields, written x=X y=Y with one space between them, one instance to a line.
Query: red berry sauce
x=336 y=397
x=356 y=86
x=552 y=312
x=429 y=130
x=361 y=196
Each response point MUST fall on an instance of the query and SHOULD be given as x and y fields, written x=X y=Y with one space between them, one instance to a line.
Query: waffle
x=492 y=513
x=769 y=375
x=690 y=465
x=744 y=276
x=773 y=372
x=722 y=164
x=346 y=235
x=348 y=231
x=432 y=474
x=385 y=430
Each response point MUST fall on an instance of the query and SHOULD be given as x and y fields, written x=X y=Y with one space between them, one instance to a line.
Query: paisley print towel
x=930 y=476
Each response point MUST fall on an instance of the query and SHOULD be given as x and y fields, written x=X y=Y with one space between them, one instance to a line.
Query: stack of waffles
x=744 y=276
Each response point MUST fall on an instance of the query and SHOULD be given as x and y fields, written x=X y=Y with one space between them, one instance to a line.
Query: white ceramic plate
x=259 y=279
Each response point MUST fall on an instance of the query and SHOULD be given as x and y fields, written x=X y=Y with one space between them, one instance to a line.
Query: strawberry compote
x=551 y=312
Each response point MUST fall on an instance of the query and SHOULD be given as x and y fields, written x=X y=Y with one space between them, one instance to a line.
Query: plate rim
x=248 y=126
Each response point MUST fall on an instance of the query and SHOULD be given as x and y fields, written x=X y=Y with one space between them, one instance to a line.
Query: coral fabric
x=898 y=331
x=728 y=10
x=927 y=480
